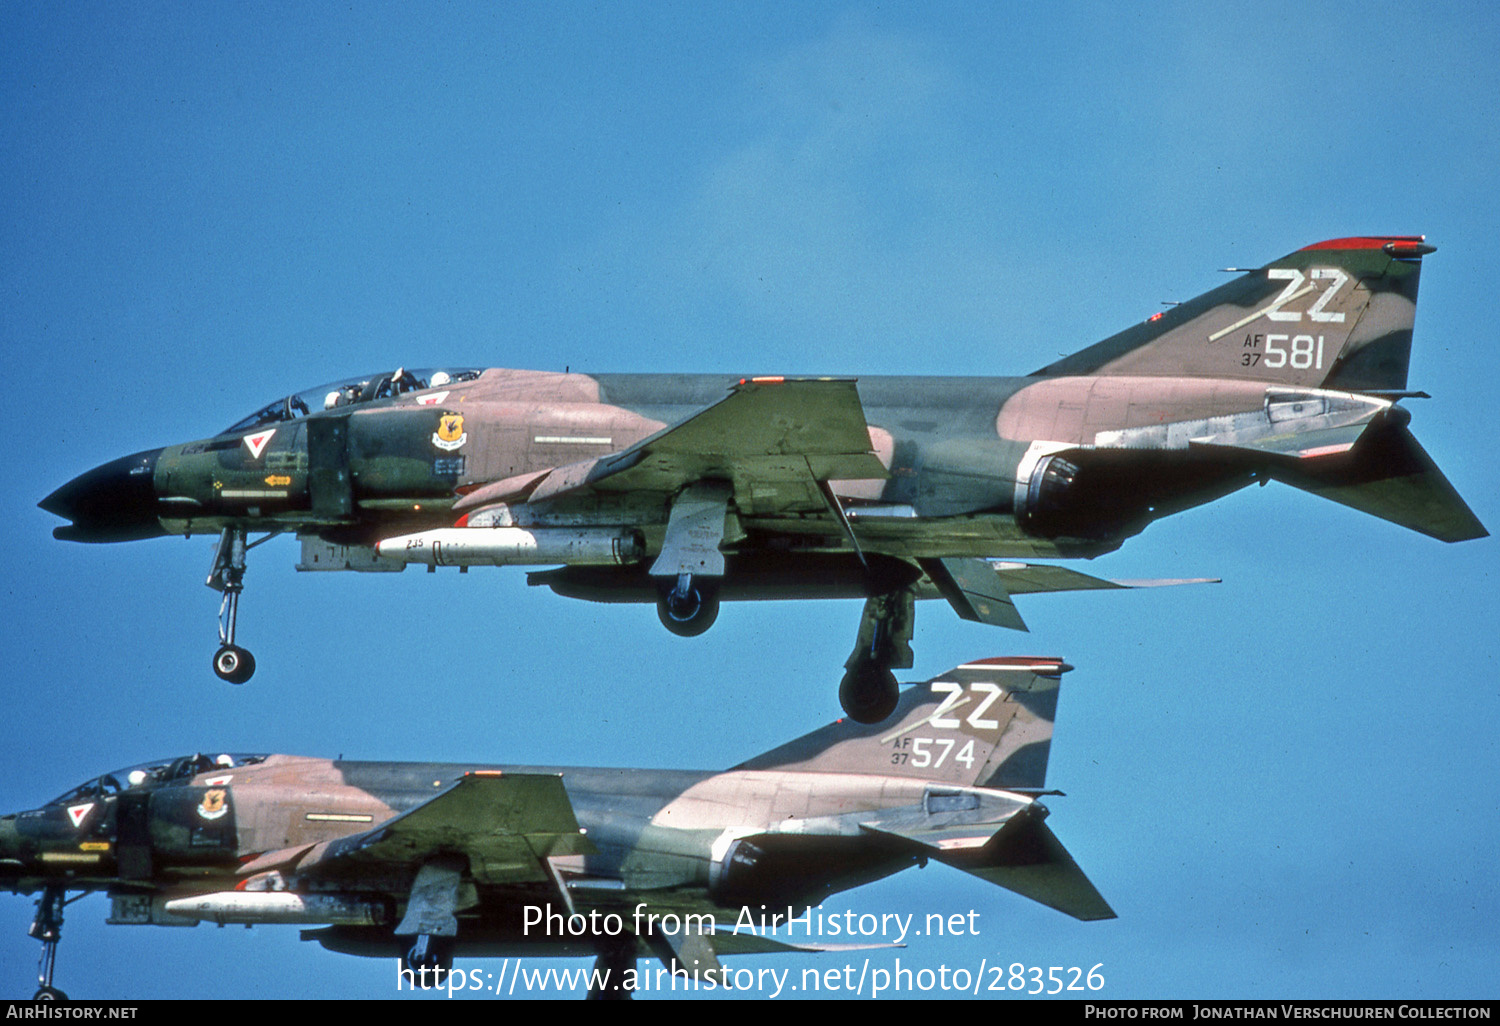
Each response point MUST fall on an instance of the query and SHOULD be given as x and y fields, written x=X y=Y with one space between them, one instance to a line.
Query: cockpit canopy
x=154 y=774
x=351 y=391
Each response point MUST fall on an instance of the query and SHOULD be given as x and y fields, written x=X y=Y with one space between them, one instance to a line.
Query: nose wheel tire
x=234 y=664
x=869 y=692
x=49 y=994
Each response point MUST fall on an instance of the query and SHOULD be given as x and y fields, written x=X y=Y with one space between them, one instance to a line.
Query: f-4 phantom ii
x=687 y=491
x=429 y=861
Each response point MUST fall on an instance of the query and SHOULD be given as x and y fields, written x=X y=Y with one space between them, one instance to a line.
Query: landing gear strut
x=430 y=921
x=231 y=663
x=688 y=608
x=868 y=691
x=690 y=556
x=616 y=957
x=47 y=928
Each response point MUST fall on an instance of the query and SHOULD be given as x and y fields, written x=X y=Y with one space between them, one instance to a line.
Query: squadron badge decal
x=213 y=805
x=450 y=433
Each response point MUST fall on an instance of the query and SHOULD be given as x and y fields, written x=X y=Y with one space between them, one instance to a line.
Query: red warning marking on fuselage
x=77 y=813
x=256 y=443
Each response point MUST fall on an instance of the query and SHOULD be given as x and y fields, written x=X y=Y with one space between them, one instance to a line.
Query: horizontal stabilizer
x=506 y=824
x=1393 y=478
x=1026 y=857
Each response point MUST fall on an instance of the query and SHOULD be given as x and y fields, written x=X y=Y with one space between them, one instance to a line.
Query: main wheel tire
x=234 y=664
x=690 y=616
x=869 y=693
x=49 y=994
x=437 y=961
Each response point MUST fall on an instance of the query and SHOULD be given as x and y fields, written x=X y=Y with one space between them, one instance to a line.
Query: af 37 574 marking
x=919 y=751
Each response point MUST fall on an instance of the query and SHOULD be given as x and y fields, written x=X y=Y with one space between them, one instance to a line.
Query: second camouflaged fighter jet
x=687 y=491
x=434 y=861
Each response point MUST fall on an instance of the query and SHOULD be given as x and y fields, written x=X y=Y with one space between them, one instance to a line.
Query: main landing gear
x=430 y=921
x=429 y=959
x=869 y=692
x=615 y=958
x=231 y=662
x=690 y=557
x=689 y=607
x=47 y=928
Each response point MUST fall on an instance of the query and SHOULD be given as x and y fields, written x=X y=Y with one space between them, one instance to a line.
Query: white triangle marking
x=256 y=443
x=77 y=813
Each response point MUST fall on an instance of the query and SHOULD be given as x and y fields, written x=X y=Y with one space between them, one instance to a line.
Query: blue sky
x=1286 y=784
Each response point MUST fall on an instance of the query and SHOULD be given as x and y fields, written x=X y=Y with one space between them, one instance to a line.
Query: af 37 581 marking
x=1306 y=351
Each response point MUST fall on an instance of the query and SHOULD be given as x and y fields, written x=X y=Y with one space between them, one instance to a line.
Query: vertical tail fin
x=1336 y=314
x=986 y=723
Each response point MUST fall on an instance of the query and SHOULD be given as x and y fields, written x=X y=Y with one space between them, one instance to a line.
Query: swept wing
x=775 y=440
x=507 y=824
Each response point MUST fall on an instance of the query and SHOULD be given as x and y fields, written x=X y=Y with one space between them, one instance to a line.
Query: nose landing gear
x=231 y=662
x=47 y=928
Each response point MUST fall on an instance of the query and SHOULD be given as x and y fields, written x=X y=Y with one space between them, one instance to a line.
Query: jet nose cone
x=112 y=502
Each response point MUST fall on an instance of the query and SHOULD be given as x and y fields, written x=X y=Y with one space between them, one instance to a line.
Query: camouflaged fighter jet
x=687 y=491
x=431 y=861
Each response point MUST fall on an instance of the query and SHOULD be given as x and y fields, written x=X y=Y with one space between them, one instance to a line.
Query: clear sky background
x=1288 y=784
